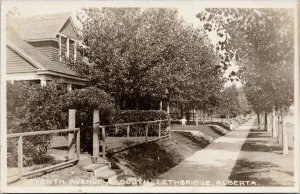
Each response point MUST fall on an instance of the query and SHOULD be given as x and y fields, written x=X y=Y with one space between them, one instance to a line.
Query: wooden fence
x=73 y=153
x=97 y=129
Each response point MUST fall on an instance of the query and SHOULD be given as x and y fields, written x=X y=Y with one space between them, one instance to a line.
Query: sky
x=187 y=11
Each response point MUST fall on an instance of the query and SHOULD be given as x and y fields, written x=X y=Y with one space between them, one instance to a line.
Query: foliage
x=85 y=101
x=261 y=42
x=141 y=57
x=31 y=107
x=230 y=101
x=130 y=116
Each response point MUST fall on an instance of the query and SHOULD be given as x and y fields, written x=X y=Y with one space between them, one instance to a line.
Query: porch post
x=75 y=54
x=60 y=58
x=68 y=48
x=43 y=82
x=69 y=87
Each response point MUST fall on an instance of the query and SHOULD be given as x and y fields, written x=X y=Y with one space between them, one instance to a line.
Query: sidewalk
x=215 y=162
x=261 y=160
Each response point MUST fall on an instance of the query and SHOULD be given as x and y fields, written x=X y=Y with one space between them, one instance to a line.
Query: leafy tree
x=230 y=101
x=141 y=57
x=261 y=42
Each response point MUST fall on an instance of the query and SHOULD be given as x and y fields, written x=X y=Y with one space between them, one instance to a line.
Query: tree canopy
x=143 y=56
x=261 y=42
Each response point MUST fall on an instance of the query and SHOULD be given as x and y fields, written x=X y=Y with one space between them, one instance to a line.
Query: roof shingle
x=42 y=60
x=41 y=27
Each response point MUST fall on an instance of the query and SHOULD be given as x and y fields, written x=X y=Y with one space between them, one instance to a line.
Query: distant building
x=37 y=49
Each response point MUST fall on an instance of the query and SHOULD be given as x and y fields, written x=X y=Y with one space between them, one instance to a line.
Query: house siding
x=48 y=48
x=16 y=63
x=55 y=51
x=68 y=30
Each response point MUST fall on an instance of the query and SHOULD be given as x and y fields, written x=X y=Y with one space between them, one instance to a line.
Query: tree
x=141 y=57
x=230 y=101
x=261 y=42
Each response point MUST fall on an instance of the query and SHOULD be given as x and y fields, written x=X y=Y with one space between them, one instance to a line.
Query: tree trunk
x=279 y=137
x=270 y=123
x=228 y=115
x=262 y=119
x=285 y=147
x=258 y=120
x=266 y=122
x=181 y=111
x=274 y=129
x=200 y=114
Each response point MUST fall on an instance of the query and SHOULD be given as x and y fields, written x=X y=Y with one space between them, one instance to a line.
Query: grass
x=148 y=161
x=202 y=128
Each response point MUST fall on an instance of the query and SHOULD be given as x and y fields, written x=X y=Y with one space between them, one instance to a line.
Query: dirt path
x=212 y=165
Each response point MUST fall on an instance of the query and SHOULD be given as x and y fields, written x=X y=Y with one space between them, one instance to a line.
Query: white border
x=186 y=4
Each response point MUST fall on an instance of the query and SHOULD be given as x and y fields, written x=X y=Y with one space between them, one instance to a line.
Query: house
x=38 y=47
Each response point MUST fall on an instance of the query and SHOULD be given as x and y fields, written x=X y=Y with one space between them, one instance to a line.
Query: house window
x=67 y=48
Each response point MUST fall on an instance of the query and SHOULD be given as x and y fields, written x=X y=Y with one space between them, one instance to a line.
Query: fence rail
x=102 y=130
x=73 y=147
x=32 y=133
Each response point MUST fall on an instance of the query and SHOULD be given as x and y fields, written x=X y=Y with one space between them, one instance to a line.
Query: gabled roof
x=41 y=27
x=34 y=56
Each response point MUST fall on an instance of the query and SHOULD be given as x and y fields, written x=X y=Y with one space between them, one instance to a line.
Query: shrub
x=85 y=101
x=128 y=116
x=31 y=107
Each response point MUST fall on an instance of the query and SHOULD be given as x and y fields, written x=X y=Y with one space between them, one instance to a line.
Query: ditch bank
x=148 y=161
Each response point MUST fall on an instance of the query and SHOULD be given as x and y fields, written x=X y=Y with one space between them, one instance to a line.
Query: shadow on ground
x=261 y=161
x=251 y=170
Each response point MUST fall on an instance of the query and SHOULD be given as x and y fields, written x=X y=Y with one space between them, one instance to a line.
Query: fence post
x=168 y=109
x=128 y=130
x=194 y=114
x=20 y=155
x=103 y=142
x=159 y=129
x=96 y=135
x=78 y=143
x=71 y=135
x=169 y=120
x=147 y=127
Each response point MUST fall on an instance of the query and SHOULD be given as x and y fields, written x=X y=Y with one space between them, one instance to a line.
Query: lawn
x=202 y=128
x=148 y=161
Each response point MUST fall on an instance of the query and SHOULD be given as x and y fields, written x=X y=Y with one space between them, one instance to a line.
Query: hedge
x=128 y=116
x=31 y=107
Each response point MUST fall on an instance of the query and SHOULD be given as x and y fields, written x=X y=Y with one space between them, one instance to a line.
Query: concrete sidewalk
x=215 y=162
